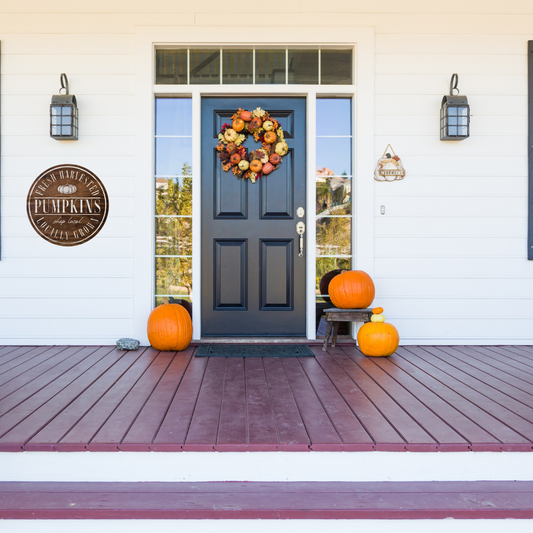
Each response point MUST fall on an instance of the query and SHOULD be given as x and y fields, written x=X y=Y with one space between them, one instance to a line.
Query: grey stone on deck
x=127 y=344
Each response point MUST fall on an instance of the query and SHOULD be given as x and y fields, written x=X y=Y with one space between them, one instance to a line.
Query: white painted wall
x=450 y=252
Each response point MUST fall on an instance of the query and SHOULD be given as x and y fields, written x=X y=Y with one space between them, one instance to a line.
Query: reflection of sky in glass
x=171 y=154
x=173 y=116
x=333 y=116
x=335 y=154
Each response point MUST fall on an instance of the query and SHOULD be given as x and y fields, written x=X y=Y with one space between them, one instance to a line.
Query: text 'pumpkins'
x=378 y=338
x=352 y=290
x=169 y=328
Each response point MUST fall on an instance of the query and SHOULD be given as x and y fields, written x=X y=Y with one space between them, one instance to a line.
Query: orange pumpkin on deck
x=378 y=339
x=256 y=165
x=169 y=328
x=352 y=290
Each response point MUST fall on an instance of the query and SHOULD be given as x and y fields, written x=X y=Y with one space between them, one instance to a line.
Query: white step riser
x=266 y=466
x=267 y=526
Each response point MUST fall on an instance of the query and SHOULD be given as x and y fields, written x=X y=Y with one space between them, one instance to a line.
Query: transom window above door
x=283 y=66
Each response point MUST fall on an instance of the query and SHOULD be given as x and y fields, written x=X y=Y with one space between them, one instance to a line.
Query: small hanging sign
x=389 y=167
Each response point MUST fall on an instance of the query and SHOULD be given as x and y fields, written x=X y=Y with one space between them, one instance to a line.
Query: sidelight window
x=333 y=188
x=173 y=199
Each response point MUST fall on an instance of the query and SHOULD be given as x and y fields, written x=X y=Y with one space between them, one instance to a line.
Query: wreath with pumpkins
x=256 y=163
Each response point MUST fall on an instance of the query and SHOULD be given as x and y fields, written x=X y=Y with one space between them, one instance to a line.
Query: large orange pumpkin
x=378 y=339
x=169 y=328
x=352 y=290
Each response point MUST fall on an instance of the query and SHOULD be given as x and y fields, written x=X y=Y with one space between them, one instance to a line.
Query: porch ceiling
x=420 y=399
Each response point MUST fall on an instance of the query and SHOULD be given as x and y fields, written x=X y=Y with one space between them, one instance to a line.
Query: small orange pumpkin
x=256 y=165
x=352 y=290
x=378 y=339
x=235 y=158
x=270 y=137
x=169 y=328
x=231 y=148
x=246 y=116
x=238 y=124
x=275 y=159
x=267 y=168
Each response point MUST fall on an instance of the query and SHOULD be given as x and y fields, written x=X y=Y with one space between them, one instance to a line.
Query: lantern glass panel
x=67 y=130
x=67 y=110
x=56 y=110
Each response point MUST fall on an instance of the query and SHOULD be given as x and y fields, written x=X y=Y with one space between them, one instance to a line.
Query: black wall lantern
x=454 y=115
x=64 y=114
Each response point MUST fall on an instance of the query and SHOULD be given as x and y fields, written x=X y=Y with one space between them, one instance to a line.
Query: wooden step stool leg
x=326 y=336
x=335 y=331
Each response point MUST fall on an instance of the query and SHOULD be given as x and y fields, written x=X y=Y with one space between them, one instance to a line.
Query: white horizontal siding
x=450 y=250
x=81 y=294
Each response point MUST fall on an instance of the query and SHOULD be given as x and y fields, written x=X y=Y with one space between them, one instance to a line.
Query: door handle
x=300 y=229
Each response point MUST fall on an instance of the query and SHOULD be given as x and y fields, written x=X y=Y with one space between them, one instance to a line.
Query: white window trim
x=146 y=39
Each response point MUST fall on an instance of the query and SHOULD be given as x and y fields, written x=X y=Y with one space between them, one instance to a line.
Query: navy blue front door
x=253 y=279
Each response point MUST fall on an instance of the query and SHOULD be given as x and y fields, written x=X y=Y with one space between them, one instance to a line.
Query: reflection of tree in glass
x=333 y=236
x=174 y=196
x=174 y=276
x=333 y=193
x=174 y=234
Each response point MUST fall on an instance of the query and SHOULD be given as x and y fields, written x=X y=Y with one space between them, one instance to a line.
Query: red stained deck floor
x=423 y=398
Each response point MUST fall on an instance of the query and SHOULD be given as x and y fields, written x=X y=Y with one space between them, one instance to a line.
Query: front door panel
x=253 y=281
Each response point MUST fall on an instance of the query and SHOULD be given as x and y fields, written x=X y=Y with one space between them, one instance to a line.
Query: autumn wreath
x=257 y=163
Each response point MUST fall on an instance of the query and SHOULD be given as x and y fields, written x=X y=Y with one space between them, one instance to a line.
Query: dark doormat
x=250 y=350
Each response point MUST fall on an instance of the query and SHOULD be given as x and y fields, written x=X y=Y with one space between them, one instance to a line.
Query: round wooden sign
x=67 y=205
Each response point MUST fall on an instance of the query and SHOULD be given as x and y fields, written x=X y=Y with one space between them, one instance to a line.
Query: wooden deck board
x=69 y=416
x=203 y=430
x=24 y=427
x=233 y=425
x=462 y=370
x=376 y=425
x=173 y=430
x=420 y=399
x=452 y=416
x=42 y=374
x=451 y=395
x=26 y=360
x=262 y=431
x=79 y=437
x=274 y=500
x=117 y=425
x=320 y=428
x=410 y=429
x=487 y=403
x=143 y=431
x=442 y=433
x=289 y=424
x=352 y=433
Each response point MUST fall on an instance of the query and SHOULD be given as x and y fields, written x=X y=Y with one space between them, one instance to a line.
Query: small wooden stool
x=334 y=316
